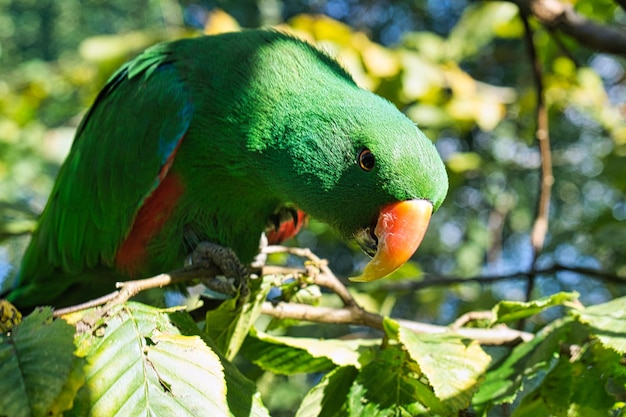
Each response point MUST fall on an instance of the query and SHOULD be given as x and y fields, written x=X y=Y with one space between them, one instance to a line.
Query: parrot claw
x=209 y=255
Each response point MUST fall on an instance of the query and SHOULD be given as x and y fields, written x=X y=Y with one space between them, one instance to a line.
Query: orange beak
x=399 y=230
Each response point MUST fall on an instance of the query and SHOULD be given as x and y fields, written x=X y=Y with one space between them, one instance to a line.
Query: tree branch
x=129 y=289
x=357 y=316
x=561 y=16
x=540 y=226
x=353 y=314
x=326 y=278
x=488 y=279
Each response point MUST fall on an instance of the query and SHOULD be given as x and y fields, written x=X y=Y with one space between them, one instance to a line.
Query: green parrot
x=218 y=139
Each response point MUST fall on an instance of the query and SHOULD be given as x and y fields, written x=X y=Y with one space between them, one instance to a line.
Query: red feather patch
x=155 y=211
x=286 y=229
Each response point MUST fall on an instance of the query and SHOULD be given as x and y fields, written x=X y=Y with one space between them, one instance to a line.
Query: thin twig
x=326 y=278
x=86 y=305
x=471 y=316
x=129 y=289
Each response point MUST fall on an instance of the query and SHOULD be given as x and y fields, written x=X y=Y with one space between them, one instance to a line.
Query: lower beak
x=399 y=230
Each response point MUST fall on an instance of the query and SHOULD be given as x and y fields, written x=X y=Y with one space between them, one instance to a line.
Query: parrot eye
x=366 y=160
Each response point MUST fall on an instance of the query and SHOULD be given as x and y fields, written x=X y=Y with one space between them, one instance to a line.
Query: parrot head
x=346 y=156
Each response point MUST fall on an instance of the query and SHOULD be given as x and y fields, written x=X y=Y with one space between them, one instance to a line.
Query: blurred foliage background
x=459 y=69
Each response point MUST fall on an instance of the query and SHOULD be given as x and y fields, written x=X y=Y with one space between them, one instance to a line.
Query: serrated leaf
x=507 y=311
x=222 y=323
x=391 y=386
x=552 y=396
x=243 y=398
x=229 y=324
x=607 y=322
x=612 y=367
x=36 y=359
x=453 y=367
x=189 y=370
x=141 y=365
x=65 y=400
x=589 y=397
x=329 y=398
x=523 y=369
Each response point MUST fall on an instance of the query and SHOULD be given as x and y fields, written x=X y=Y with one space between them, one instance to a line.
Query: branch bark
x=561 y=16
x=129 y=289
x=356 y=316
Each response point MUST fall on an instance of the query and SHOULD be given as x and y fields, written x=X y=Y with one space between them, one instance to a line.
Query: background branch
x=441 y=281
x=540 y=225
x=561 y=16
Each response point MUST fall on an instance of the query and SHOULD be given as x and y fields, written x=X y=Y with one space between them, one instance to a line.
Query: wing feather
x=121 y=151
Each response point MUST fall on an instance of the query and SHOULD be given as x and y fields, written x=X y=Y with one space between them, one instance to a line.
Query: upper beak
x=399 y=230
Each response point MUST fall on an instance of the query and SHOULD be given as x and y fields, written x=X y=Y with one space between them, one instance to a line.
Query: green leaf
x=607 y=322
x=75 y=381
x=188 y=369
x=523 y=369
x=507 y=311
x=329 y=398
x=391 y=328
x=291 y=355
x=611 y=366
x=561 y=372
x=243 y=398
x=229 y=324
x=36 y=360
x=453 y=367
x=478 y=23
x=589 y=397
x=552 y=396
x=391 y=385
x=141 y=366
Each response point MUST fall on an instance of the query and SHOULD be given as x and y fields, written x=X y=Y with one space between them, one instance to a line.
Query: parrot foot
x=208 y=255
